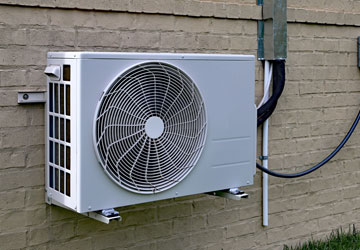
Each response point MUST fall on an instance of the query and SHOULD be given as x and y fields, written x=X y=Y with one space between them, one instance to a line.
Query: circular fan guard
x=150 y=127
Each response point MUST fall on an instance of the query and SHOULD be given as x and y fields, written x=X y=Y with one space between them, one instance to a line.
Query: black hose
x=319 y=165
x=266 y=110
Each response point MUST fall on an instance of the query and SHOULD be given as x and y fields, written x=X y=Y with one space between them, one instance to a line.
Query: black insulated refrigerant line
x=265 y=111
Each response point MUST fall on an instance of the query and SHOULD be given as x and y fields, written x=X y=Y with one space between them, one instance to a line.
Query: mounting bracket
x=31 y=97
x=104 y=216
x=232 y=194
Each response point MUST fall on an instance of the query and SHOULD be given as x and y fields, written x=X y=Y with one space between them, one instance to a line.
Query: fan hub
x=154 y=127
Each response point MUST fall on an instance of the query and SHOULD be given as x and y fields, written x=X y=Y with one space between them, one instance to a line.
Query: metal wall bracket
x=260 y=40
x=31 y=97
x=232 y=194
x=105 y=215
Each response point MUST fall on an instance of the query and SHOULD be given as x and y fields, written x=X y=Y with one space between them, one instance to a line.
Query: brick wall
x=320 y=101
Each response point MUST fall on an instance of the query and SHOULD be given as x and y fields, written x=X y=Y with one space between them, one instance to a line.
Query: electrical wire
x=267 y=86
x=319 y=165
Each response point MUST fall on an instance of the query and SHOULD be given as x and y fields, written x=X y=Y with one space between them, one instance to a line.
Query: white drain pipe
x=265 y=188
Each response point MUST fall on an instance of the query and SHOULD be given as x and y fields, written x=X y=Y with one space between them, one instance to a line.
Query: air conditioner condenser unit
x=129 y=128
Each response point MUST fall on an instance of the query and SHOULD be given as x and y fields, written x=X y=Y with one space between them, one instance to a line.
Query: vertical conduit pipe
x=265 y=151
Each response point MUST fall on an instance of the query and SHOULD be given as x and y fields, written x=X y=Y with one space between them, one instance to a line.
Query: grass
x=338 y=240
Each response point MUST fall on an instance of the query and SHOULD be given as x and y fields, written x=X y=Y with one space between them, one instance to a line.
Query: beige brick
x=325 y=183
x=35 y=156
x=225 y=26
x=8 y=98
x=90 y=38
x=351 y=192
x=36 y=216
x=12 y=220
x=37 y=78
x=301 y=44
x=76 y=244
x=18 y=16
x=302 y=229
x=296 y=188
x=326 y=73
x=12 y=200
x=243 y=43
x=108 y=20
x=52 y=37
x=12 y=159
x=17 y=179
x=39 y=236
x=72 y=18
x=316 y=212
x=153 y=231
x=276 y=235
x=139 y=39
x=277 y=133
x=241 y=229
x=22 y=56
x=189 y=224
x=13 y=240
x=207 y=204
x=38 y=247
x=329 y=223
x=12 y=78
x=299 y=72
x=178 y=40
x=16 y=137
x=12 y=37
x=206 y=9
x=179 y=7
x=195 y=25
x=206 y=236
x=223 y=218
x=146 y=246
x=116 y=238
x=348 y=45
x=13 y=117
x=311 y=87
x=86 y=226
x=342 y=207
x=61 y=214
x=140 y=217
x=35 y=115
x=180 y=242
x=283 y=118
x=35 y=196
x=62 y=230
x=174 y=210
x=154 y=22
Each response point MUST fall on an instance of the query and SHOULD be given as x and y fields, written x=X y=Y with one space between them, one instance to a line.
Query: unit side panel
x=60 y=172
x=228 y=160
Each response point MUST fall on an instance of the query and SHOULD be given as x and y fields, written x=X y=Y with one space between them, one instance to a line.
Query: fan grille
x=150 y=127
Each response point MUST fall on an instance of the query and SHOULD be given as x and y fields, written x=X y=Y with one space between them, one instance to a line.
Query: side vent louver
x=59 y=136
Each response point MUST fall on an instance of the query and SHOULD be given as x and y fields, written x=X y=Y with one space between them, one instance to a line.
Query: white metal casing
x=226 y=83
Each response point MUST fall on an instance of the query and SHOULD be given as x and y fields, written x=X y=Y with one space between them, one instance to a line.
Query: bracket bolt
x=25 y=96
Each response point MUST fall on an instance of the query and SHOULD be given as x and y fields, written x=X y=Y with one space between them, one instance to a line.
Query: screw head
x=25 y=96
